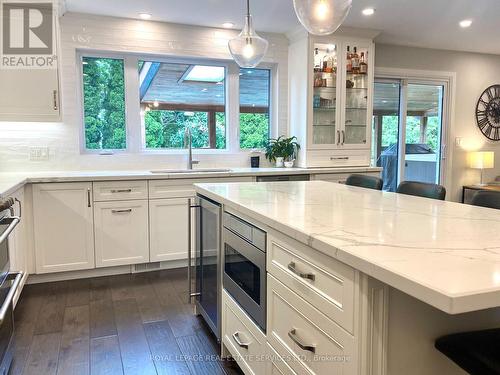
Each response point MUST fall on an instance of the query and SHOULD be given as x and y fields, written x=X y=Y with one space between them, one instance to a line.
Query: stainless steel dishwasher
x=292 y=177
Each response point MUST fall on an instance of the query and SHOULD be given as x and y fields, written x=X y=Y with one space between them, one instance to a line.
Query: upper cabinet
x=29 y=67
x=331 y=96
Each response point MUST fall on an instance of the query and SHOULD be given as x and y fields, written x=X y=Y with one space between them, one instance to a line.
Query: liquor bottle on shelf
x=363 y=66
x=317 y=61
x=349 y=60
x=355 y=61
x=329 y=64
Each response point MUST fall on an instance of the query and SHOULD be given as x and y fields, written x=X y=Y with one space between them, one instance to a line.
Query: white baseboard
x=98 y=272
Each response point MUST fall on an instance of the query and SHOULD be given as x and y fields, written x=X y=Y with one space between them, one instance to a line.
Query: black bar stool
x=486 y=198
x=368 y=182
x=422 y=189
x=477 y=352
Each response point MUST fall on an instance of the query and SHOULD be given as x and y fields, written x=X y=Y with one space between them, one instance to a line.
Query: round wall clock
x=488 y=113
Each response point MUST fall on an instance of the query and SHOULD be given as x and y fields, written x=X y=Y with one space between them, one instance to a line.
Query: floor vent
x=146 y=267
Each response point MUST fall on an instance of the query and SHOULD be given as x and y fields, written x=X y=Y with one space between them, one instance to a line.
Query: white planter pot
x=279 y=162
x=289 y=164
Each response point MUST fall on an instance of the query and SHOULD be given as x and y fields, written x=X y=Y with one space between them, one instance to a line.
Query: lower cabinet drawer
x=308 y=340
x=324 y=282
x=121 y=233
x=242 y=338
x=338 y=158
x=277 y=365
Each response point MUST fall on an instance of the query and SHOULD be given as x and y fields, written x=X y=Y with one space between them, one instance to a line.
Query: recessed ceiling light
x=145 y=16
x=465 y=23
x=228 y=25
x=368 y=11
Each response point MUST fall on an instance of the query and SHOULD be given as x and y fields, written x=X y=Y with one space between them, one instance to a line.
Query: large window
x=254 y=107
x=141 y=103
x=179 y=96
x=104 y=103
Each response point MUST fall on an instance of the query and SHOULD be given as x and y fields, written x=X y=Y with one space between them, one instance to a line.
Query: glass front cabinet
x=331 y=99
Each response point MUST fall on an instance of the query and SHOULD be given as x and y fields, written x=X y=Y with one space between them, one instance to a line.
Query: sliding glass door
x=408 y=129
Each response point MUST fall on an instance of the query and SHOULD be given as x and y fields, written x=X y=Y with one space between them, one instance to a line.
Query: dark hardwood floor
x=126 y=324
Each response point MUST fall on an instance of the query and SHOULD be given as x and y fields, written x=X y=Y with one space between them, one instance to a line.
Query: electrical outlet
x=39 y=153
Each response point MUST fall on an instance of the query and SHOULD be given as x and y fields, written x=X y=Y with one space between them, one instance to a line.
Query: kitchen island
x=421 y=268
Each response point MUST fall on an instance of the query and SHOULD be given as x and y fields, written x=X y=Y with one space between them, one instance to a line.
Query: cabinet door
x=18 y=244
x=29 y=95
x=32 y=94
x=64 y=239
x=357 y=92
x=325 y=121
x=121 y=233
x=168 y=229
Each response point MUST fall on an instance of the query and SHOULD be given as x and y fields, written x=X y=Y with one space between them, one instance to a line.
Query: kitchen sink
x=197 y=170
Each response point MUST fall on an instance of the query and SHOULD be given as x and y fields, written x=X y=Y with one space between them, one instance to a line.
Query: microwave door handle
x=10 y=228
x=191 y=207
x=10 y=296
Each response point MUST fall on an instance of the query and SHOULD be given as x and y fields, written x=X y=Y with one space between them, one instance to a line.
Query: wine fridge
x=205 y=260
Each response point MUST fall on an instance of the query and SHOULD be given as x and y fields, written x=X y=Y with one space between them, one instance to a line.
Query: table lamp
x=482 y=160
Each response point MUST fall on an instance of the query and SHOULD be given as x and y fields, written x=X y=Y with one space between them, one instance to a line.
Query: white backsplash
x=126 y=35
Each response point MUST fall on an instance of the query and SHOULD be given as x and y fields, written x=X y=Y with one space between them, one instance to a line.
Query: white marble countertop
x=445 y=254
x=10 y=182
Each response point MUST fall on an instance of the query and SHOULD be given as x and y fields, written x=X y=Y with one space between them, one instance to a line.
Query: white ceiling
x=422 y=23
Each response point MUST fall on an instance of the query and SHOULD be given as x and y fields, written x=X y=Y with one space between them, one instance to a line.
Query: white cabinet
x=32 y=94
x=121 y=233
x=305 y=338
x=332 y=99
x=168 y=228
x=63 y=232
x=242 y=338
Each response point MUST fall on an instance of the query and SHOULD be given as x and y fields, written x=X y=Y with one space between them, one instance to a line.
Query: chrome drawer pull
x=308 y=276
x=121 y=211
x=340 y=158
x=121 y=191
x=293 y=335
x=10 y=295
x=236 y=338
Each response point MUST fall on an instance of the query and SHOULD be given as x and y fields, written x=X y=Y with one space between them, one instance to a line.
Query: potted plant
x=282 y=150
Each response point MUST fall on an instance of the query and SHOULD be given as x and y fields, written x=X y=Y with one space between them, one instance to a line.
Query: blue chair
x=422 y=189
x=475 y=352
x=486 y=198
x=364 y=181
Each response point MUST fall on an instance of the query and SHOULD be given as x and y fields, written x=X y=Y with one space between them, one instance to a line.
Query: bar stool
x=486 y=198
x=476 y=352
x=422 y=189
x=368 y=182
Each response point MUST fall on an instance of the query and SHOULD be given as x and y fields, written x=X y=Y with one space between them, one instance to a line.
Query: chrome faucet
x=188 y=143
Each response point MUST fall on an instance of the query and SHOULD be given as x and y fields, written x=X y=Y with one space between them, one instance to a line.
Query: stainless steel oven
x=9 y=283
x=207 y=261
x=244 y=276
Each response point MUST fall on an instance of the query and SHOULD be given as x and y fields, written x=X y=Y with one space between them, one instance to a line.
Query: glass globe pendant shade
x=248 y=49
x=322 y=17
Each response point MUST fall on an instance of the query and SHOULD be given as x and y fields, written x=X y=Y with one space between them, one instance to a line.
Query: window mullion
x=135 y=131
x=233 y=108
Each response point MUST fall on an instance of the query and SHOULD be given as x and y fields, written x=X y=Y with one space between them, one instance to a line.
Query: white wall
x=474 y=73
x=80 y=31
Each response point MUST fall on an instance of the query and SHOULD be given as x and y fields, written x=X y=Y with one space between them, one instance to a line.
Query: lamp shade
x=482 y=160
x=322 y=17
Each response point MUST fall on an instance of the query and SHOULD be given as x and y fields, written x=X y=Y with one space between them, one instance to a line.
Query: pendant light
x=248 y=48
x=322 y=17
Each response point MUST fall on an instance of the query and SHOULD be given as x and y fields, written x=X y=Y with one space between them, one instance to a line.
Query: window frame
x=135 y=131
x=273 y=92
x=81 y=104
